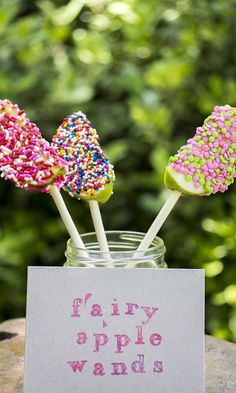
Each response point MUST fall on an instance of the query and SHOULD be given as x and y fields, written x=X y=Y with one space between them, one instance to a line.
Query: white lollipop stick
x=66 y=218
x=99 y=228
x=159 y=220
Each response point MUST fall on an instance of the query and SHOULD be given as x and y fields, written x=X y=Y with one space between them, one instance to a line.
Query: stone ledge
x=220 y=360
x=220 y=366
x=12 y=356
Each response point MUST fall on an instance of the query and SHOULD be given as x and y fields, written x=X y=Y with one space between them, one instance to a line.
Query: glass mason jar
x=123 y=251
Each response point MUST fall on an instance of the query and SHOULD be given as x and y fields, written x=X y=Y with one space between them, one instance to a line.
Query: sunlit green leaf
x=168 y=74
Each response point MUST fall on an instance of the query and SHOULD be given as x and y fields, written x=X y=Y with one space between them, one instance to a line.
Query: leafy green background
x=146 y=73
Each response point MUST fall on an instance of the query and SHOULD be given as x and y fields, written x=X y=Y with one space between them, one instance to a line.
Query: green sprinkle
x=223 y=130
x=191 y=158
x=174 y=158
x=186 y=162
x=202 y=161
x=214 y=125
x=215 y=134
x=201 y=181
x=208 y=189
x=208 y=118
x=233 y=145
x=216 y=181
x=212 y=139
x=188 y=177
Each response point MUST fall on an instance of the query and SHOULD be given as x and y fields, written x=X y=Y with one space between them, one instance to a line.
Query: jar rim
x=157 y=247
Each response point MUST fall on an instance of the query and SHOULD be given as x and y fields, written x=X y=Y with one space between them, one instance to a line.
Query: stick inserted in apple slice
x=90 y=176
x=202 y=167
x=29 y=161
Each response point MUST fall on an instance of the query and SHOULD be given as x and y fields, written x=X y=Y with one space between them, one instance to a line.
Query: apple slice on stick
x=90 y=176
x=29 y=161
x=202 y=167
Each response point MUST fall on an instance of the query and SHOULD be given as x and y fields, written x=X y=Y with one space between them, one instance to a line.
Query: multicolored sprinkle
x=208 y=159
x=77 y=142
x=26 y=158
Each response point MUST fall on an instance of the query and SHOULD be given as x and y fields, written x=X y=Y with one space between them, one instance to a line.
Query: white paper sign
x=114 y=331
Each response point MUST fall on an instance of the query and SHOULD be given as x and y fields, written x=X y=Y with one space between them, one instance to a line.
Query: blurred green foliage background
x=146 y=73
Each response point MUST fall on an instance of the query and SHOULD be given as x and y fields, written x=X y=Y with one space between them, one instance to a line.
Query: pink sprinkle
x=23 y=149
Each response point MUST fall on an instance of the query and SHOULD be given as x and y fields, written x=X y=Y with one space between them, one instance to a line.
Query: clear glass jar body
x=122 y=252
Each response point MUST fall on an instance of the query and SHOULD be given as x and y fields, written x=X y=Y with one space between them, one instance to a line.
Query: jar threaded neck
x=123 y=251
